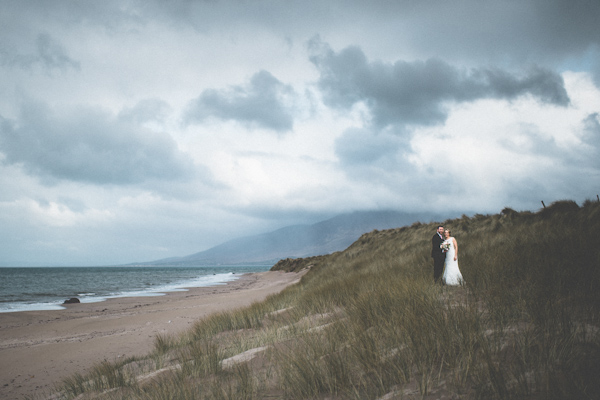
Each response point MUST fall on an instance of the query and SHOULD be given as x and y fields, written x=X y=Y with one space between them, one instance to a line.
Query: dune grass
x=368 y=323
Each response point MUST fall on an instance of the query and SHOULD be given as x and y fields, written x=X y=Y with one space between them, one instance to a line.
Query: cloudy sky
x=138 y=130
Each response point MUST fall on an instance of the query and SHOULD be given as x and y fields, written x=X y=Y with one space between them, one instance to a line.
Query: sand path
x=40 y=348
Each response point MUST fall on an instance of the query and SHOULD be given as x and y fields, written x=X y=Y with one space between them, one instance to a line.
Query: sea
x=46 y=288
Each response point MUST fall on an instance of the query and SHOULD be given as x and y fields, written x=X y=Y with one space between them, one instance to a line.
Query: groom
x=438 y=255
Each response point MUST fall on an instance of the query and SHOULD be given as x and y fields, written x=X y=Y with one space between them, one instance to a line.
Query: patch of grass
x=105 y=376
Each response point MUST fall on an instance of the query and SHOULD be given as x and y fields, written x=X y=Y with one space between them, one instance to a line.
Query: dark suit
x=438 y=256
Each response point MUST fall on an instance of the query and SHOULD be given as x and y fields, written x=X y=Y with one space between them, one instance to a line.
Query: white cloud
x=262 y=103
x=511 y=154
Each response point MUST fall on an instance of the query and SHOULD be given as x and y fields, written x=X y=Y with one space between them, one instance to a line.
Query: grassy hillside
x=367 y=323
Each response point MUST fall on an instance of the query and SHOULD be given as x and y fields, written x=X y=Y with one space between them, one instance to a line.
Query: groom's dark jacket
x=436 y=251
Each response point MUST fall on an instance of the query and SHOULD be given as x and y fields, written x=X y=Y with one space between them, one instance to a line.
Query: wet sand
x=40 y=348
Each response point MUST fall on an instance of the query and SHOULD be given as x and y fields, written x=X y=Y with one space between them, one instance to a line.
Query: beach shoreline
x=40 y=348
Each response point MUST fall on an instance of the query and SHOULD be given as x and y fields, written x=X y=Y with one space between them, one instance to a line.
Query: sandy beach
x=40 y=348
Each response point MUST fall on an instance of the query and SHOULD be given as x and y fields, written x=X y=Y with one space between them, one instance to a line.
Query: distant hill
x=324 y=237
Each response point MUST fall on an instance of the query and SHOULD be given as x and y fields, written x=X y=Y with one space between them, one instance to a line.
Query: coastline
x=40 y=348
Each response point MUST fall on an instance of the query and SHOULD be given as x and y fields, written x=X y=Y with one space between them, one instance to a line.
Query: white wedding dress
x=452 y=275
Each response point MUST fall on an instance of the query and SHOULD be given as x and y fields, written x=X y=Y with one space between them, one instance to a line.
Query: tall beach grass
x=368 y=323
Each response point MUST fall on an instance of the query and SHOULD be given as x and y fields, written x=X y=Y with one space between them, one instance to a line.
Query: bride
x=452 y=275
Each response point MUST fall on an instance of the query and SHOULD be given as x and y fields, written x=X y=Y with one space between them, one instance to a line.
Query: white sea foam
x=17 y=307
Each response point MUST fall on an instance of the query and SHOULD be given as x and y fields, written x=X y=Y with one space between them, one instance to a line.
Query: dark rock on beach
x=72 y=300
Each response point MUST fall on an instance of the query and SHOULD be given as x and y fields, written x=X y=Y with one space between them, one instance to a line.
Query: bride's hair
x=449 y=232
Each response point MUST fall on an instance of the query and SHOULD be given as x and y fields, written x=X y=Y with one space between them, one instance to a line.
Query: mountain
x=324 y=237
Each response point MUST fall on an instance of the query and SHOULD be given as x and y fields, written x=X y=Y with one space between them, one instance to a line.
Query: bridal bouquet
x=445 y=246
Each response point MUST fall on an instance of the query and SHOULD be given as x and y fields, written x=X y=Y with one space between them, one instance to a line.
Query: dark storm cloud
x=543 y=31
x=261 y=103
x=49 y=54
x=596 y=73
x=565 y=24
x=417 y=93
x=540 y=28
x=89 y=146
x=558 y=34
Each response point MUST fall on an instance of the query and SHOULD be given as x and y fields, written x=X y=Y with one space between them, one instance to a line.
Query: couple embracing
x=444 y=251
